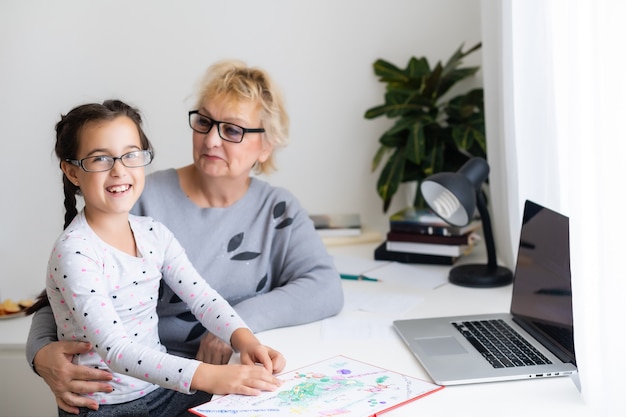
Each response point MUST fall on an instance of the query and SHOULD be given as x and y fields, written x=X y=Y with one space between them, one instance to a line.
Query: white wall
x=56 y=55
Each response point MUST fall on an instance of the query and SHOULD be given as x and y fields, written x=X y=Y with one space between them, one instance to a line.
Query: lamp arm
x=487 y=232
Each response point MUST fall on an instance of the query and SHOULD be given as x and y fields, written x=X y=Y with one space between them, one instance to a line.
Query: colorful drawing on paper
x=339 y=386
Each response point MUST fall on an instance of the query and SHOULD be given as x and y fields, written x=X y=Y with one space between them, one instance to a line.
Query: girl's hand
x=253 y=352
x=234 y=379
x=271 y=359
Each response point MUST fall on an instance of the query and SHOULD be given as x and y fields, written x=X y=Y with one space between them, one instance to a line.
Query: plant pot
x=409 y=190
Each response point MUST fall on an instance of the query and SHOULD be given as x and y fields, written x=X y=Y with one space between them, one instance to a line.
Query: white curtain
x=554 y=73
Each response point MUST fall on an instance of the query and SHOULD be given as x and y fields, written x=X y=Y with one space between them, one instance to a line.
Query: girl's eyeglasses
x=101 y=163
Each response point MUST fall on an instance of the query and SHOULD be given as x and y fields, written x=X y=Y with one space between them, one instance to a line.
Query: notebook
x=540 y=314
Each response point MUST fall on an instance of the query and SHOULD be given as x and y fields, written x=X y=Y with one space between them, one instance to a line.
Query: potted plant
x=433 y=132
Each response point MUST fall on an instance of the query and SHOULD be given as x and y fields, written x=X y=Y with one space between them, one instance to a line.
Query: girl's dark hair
x=68 y=131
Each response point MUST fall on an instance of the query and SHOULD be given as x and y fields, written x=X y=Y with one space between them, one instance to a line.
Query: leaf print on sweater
x=245 y=256
x=197 y=331
x=186 y=316
x=261 y=284
x=279 y=209
x=287 y=222
x=234 y=243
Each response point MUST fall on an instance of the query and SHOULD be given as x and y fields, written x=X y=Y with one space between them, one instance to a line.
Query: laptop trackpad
x=436 y=346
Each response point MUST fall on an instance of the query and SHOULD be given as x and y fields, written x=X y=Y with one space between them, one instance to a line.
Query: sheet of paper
x=353 y=265
x=351 y=328
x=371 y=301
x=333 y=387
x=417 y=276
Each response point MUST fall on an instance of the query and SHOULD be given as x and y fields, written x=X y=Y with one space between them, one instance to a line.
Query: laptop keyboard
x=499 y=344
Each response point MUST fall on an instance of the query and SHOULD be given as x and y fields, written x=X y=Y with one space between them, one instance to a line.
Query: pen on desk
x=358 y=278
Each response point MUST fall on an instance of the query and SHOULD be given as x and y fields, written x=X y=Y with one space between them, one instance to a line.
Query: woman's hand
x=213 y=350
x=234 y=379
x=54 y=364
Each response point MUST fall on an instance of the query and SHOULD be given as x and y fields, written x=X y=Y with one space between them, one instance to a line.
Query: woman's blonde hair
x=233 y=81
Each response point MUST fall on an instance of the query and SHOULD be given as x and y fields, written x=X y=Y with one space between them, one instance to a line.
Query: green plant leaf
x=376 y=111
x=417 y=68
x=435 y=156
x=451 y=74
x=469 y=139
x=455 y=60
x=432 y=84
x=393 y=141
x=397 y=104
x=405 y=124
x=389 y=72
x=380 y=153
x=390 y=177
x=416 y=143
x=450 y=79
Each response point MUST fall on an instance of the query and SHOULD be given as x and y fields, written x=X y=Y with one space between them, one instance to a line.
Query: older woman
x=251 y=241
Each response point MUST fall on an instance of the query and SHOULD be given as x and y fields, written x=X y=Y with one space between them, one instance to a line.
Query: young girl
x=105 y=270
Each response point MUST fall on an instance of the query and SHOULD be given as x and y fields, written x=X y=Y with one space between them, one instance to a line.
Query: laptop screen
x=542 y=292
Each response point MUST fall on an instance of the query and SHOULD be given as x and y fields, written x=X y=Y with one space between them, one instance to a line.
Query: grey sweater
x=262 y=254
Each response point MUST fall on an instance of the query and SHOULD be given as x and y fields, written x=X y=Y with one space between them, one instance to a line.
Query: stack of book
x=327 y=225
x=420 y=236
x=340 y=229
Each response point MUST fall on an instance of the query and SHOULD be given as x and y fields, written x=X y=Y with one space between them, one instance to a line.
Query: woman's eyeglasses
x=228 y=131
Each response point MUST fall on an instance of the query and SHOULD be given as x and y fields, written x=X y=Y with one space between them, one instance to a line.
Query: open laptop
x=541 y=313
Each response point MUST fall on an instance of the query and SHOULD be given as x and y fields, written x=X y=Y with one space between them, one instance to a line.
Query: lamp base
x=480 y=276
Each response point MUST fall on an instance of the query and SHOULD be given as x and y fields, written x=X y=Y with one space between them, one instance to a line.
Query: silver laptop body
x=541 y=313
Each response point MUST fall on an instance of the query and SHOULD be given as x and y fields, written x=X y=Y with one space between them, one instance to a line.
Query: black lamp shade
x=451 y=197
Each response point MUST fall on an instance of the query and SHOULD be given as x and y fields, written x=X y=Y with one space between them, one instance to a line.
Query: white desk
x=305 y=344
x=302 y=345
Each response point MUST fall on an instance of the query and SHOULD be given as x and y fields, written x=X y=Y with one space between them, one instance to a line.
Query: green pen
x=358 y=278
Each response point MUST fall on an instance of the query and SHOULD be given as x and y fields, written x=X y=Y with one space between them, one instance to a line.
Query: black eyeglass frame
x=80 y=162
x=218 y=123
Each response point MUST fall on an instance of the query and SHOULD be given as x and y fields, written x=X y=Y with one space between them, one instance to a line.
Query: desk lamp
x=454 y=197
